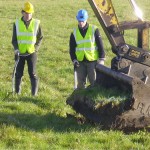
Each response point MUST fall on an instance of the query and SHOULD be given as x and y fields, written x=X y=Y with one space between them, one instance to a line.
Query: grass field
x=41 y=122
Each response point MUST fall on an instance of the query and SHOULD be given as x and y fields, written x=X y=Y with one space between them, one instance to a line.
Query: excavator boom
x=105 y=13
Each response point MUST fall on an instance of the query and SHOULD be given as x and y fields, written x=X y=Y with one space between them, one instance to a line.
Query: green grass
x=41 y=122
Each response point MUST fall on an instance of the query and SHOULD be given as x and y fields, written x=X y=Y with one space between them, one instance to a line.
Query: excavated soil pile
x=129 y=115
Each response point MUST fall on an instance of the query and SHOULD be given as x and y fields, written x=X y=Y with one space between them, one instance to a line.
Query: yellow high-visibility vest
x=86 y=47
x=26 y=37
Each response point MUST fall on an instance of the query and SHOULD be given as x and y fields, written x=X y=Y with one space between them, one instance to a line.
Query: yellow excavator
x=130 y=69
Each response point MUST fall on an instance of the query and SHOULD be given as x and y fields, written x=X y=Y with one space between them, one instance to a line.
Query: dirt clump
x=128 y=115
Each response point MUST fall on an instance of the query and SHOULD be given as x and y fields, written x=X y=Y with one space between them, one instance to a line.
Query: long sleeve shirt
x=98 y=40
x=39 y=36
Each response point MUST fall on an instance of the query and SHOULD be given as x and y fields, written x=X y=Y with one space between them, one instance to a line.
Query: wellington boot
x=18 y=86
x=34 y=86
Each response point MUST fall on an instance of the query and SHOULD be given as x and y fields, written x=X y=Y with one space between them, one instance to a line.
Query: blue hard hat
x=82 y=15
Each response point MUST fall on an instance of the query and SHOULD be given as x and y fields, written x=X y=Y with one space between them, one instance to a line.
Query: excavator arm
x=130 y=59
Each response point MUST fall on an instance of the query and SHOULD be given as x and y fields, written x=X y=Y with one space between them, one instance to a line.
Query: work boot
x=34 y=86
x=18 y=86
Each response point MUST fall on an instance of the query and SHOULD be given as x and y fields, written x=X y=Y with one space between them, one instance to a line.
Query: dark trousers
x=31 y=62
x=84 y=71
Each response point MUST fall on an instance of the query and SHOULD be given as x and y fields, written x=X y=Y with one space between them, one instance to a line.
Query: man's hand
x=100 y=61
x=16 y=52
x=76 y=63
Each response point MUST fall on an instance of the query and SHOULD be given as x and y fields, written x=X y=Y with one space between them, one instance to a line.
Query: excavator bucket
x=129 y=71
x=136 y=112
x=130 y=115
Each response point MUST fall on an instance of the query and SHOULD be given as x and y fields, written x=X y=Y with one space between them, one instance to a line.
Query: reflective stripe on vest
x=86 y=47
x=26 y=37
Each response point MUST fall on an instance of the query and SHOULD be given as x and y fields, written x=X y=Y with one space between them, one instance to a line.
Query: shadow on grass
x=42 y=103
x=38 y=123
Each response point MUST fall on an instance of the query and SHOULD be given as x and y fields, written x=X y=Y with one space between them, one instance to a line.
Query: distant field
x=41 y=122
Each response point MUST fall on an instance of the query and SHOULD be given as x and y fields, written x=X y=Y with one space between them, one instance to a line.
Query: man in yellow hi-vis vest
x=26 y=39
x=86 y=50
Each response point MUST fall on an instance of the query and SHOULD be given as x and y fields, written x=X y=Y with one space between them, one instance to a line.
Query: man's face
x=82 y=24
x=27 y=16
